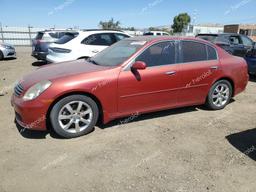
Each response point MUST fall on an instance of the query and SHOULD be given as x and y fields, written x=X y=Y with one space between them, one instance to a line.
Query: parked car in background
x=83 y=44
x=155 y=33
x=236 y=44
x=7 y=51
x=42 y=40
x=134 y=76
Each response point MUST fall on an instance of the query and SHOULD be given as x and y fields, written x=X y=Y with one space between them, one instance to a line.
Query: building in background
x=193 y=30
x=246 y=29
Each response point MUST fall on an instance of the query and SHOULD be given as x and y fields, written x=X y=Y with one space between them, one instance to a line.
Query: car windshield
x=66 y=38
x=117 y=53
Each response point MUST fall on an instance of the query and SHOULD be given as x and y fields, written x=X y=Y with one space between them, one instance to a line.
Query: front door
x=155 y=87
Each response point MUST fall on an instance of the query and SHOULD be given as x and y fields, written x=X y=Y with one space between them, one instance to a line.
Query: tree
x=111 y=24
x=180 y=21
x=129 y=28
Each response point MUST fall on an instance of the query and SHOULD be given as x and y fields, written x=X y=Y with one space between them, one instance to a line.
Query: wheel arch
x=97 y=101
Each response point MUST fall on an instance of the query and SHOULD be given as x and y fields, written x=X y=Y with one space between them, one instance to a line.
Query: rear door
x=199 y=67
x=95 y=43
x=237 y=46
x=248 y=44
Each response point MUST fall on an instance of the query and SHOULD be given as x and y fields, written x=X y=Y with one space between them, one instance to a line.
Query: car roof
x=218 y=34
x=160 y=38
x=85 y=33
x=54 y=31
x=100 y=31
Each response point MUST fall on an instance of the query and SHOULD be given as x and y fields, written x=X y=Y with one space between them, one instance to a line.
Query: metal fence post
x=1 y=31
x=29 y=33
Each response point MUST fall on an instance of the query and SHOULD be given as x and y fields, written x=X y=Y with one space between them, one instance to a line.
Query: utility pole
x=1 y=31
x=29 y=33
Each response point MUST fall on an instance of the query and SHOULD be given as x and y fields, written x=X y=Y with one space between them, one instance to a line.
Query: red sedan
x=136 y=75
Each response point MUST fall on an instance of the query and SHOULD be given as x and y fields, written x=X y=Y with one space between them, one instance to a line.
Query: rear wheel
x=1 y=55
x=74 y=116
x=219 y=95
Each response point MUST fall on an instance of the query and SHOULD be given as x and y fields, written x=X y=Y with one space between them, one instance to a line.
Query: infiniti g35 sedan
x=136 y=75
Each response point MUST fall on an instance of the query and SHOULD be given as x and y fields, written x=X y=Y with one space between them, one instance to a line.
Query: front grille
x=10 y=54
x=18 y=89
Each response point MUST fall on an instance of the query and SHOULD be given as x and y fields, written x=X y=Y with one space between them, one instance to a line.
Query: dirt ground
x=183 y=150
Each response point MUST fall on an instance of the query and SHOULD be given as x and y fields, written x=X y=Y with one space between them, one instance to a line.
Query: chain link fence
x=18 y=36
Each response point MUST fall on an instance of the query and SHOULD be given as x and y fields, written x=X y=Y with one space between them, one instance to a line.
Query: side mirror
x=139 y=65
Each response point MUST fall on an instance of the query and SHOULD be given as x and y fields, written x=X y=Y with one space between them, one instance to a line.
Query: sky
x=131 y=13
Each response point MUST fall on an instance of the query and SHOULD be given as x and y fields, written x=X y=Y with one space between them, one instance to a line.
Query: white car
x=156 y=33
x=7 y=51
x=82 y=44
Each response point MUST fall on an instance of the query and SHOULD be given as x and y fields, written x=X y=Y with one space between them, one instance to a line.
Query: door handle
x=95 y=51
x=214 y=67
x=170 y=73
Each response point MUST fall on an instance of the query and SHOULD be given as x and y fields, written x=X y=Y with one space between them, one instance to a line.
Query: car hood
x=60 y=70
x=7 y=44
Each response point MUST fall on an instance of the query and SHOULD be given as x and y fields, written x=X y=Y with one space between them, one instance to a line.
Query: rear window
x=195 y=51
x=66 y=38
x=39 y=36
x=54 y=35
x=211 y=38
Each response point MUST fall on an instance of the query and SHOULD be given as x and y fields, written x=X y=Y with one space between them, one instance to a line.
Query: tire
x=74 y=116
x=219 y=100
x=1 y=55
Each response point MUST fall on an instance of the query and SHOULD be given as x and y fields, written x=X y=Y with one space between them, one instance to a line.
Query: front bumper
x=30 y=114
x=39 y=55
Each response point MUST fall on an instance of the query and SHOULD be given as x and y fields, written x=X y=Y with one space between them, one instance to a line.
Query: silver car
x=7 y=51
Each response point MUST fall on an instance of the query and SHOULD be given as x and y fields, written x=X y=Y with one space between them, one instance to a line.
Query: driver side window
x=247 y=41
x=235 y=40
x=159 y=54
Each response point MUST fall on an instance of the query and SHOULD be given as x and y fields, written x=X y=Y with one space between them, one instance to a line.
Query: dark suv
x=236 y=44
x=42 y=40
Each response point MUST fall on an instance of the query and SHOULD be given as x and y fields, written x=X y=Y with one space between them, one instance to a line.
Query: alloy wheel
x=220 y=95
x=75 y=116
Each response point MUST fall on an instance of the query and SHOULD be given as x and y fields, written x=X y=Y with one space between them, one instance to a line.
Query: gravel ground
x=183 y=150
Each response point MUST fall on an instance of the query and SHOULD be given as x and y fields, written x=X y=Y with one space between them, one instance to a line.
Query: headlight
x=3 y=46
x=36 y=90
x=6 y=46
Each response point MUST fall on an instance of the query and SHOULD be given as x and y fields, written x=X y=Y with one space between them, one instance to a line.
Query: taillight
x=38 y=41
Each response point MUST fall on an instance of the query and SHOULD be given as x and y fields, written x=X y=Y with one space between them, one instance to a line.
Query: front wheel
x=74 y=116
x=219 y=95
